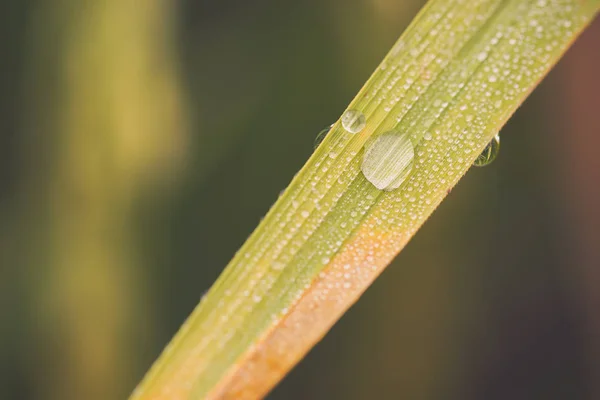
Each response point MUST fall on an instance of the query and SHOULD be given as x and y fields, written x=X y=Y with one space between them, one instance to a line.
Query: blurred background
x=142 y=141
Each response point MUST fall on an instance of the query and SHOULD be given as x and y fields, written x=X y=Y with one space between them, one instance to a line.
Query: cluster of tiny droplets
x=500 y=71
x=427 y=87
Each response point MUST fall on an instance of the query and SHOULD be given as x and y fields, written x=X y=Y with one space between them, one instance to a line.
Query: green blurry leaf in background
x=106 y=113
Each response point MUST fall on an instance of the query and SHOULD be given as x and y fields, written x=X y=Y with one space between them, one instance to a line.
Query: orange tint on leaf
x=337 y=287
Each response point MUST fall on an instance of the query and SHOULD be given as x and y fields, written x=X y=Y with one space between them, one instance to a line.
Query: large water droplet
x=353 y=121
x=388 y=160
x=488 y=154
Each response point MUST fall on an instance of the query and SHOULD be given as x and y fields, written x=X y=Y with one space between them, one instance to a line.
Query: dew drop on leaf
x=353 y=121
x=388 y=160
x=320 y=136
x=488 y=154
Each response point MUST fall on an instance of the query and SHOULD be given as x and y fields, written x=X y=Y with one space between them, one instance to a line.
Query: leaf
x=450 y=82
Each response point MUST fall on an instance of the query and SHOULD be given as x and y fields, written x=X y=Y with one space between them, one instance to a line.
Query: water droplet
x=320 y=136
x=488 y=154
x=388 y=160
x=353 y=121
x=277 y=266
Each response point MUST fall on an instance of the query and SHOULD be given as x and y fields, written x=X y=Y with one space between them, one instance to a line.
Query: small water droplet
x=321 y=135
x=482 y=56
x=488 y=154
x=353 y=121
x=277 y=266
x=388 y=160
